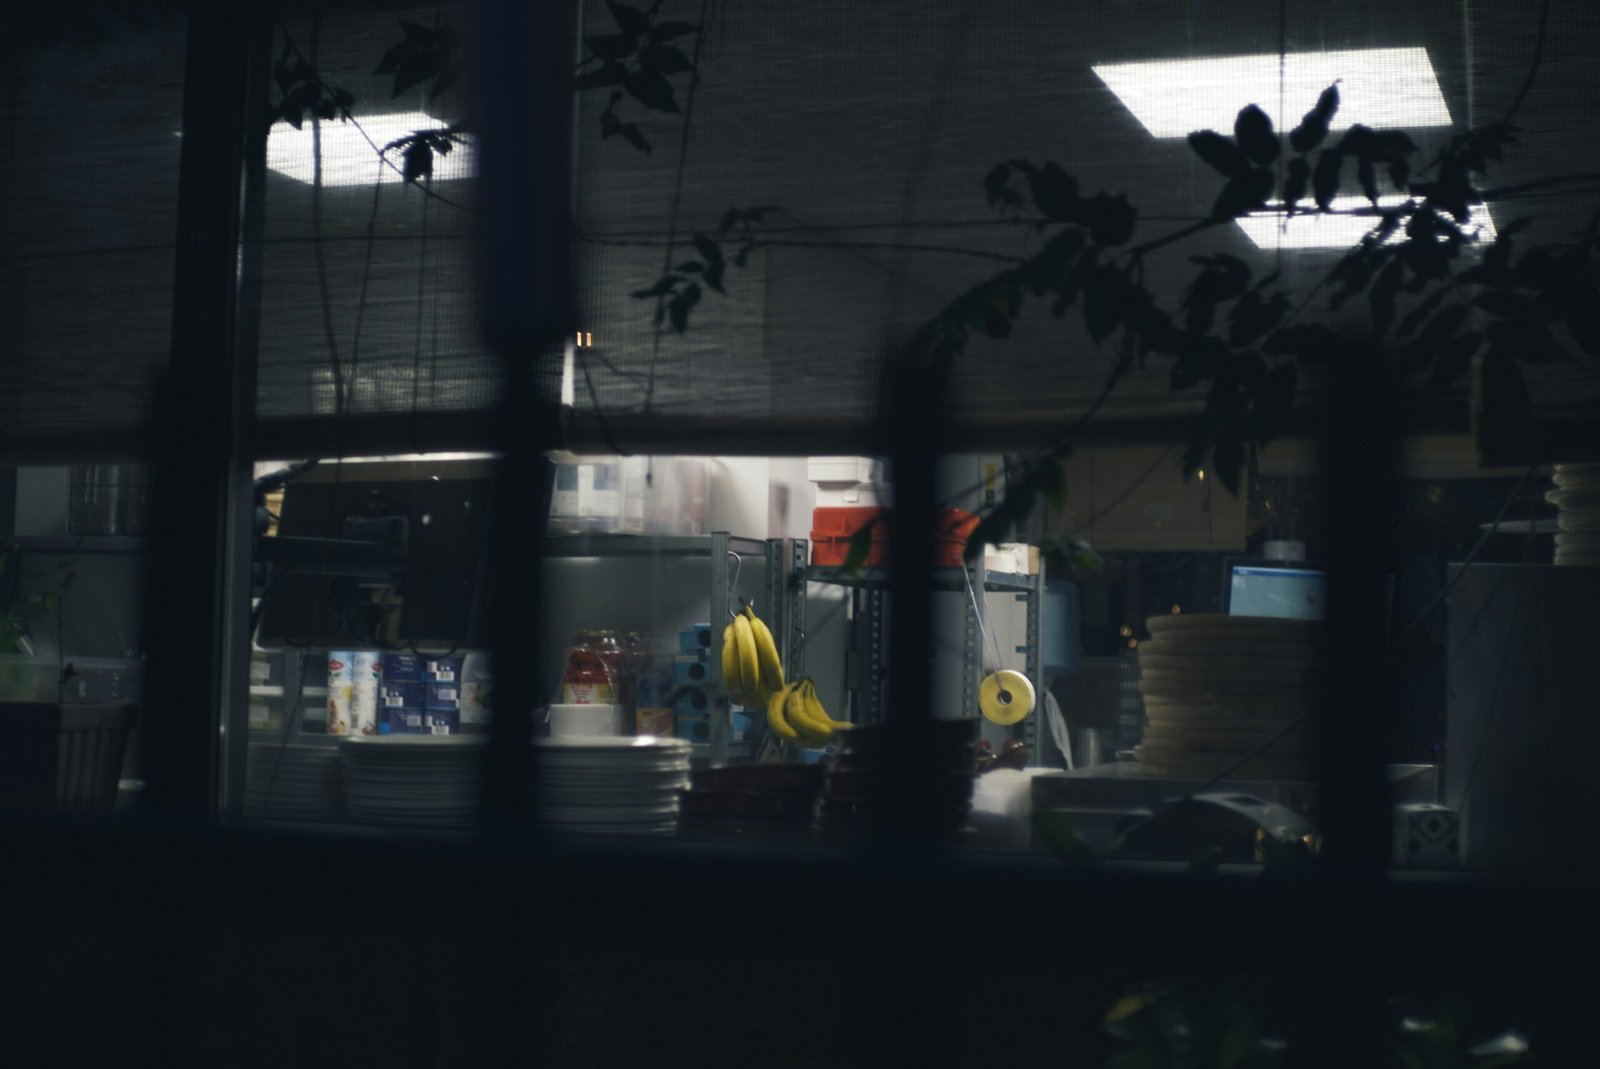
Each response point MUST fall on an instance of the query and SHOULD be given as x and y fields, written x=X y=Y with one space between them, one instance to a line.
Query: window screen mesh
x=366 y=293
x=871 y=127
x=866 y=129
x=90 y=110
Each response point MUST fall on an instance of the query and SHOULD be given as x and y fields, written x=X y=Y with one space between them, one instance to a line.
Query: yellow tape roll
x=1006 y=696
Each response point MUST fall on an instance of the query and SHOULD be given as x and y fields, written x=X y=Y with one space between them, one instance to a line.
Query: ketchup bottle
x=588 y=679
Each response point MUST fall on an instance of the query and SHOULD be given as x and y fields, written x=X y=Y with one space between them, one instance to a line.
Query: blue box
x=441 y=722
x=690 y=669
x=693 y=728
x=399 y=721
x=697 y=727
x=441 y=696
x=442 y=670
x=402 y=695
x=402 y=668
x=695 y=638
x=691 y=702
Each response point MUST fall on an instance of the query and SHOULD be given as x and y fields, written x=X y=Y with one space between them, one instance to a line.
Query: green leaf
x=1110 y=219
x=860 y=547
x=996 y=184
x=1055 y=192
x=447 y=79
x=1050 y=478
x=665 y=59
x=1516 y=307
x=630 y=20
x=1198 y=363
x=608 y=73
x=678 y=308
x=1244 y=194
x=1383 y=295
x=1227 y=460
x=1253 y=130
x=609 y=46
x=690 y=267
x=1314 y=126
x=1369 y=181
x=1325 y=179
x=1225 y=157
x=1274 y=401
x=1103 y=299
x=666 y=285
x=1422 y=311
x=418 y=161
x=713 y=276
x=1295 y=181
x=1059 y=835
x=651 y=90
x=709 y=249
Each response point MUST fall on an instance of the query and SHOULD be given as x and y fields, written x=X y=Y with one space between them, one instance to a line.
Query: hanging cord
x=987 y=636
x=733 y=587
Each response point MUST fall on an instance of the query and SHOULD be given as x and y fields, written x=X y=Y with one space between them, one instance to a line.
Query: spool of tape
x=1006 y=696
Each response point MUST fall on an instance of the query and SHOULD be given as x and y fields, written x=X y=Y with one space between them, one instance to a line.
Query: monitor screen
x=436 y=599
x=1262 y=588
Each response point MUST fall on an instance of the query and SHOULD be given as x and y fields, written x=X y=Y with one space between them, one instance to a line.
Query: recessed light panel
x=349 y=158
x=1381 y=87
x=1308 y=229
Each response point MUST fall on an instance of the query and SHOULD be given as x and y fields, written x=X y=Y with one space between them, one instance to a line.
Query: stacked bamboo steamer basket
x=1226 y=691
x=1577 y=497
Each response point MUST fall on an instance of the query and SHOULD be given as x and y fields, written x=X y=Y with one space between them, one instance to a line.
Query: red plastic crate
x=832 y=527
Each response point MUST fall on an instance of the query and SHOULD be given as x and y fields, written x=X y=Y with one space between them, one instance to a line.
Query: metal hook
x=733 y=587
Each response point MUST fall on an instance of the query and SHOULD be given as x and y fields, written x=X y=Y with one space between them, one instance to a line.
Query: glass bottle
x=588 y=679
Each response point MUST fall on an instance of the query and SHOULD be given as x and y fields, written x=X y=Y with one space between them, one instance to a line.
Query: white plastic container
x=477 y=692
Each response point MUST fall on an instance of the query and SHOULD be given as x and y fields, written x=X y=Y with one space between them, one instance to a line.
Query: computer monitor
x=1291 y=589
x=428 y=590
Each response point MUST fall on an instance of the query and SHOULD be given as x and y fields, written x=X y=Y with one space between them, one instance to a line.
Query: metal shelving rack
x=715 y=547
x=870 y=608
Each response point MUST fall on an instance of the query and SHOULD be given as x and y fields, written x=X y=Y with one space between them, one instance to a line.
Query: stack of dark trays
x=757 y=802
x=861 y=776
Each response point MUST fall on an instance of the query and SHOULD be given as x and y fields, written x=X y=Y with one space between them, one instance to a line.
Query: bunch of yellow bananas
x=751 y=668
x=795 y=714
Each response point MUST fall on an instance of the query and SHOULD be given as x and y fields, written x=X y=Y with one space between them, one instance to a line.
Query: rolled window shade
x=871 y=127
x=367 y=338
x=89 y=121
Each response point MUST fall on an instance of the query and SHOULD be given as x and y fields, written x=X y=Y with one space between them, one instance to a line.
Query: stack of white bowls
x=289 y=781
x=1577 y=497
x=1230 y=694
x=423 y=781
x=599 y=785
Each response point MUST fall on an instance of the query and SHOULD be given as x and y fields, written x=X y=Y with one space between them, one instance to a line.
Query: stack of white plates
x=1230 y=694
x=287 y=781
x=426 y=781
x=609 y=786
x=1577 y=496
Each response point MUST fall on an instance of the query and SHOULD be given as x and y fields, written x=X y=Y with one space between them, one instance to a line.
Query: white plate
x=614 y=744
x=608 y=815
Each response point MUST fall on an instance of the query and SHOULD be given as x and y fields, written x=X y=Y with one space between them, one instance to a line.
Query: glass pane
x=71 y=617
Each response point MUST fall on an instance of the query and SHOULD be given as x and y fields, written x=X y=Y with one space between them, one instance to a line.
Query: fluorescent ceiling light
x=1311 y=230
x=348 y=158
x=1385 y=88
